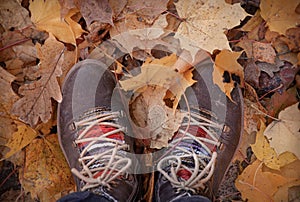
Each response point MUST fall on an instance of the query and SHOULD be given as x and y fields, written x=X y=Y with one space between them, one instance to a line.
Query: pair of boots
x=98 y=138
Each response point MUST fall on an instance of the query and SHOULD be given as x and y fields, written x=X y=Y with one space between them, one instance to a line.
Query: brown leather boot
x=94 y=142
x=200 y=152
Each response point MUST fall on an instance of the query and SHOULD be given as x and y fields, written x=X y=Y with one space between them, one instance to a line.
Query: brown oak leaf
x=36 y=100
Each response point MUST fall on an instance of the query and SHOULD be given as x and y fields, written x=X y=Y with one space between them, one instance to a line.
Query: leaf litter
x=37 y=51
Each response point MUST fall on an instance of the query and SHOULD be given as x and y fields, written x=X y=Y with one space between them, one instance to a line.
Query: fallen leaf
x=288 y=75
x=290 y=170
x=268 y=155
x=255 y=184
x=284 y=192
x=7 y=95
x=26 y=53
x=227 y=71
x=7 y=98
x=254 y=112
x=7 y=126
x=279 y=101
x=132 y=33
x=247 y=46
x=264 y=52
x=293 y=36
x=252 y=73
x=19 y=140
x=205 y=22
x=270 y=69
x=36 y=100
x=271 y=36
x=150 y=75
x=46 y=16
x=289 y=57
x=251 y=116
x=243 y=152
x=13 y=15
x=94 y=10
x=147 y=11
x=279 y=14
x=254 y=22
x=45 y=169
x=117 y=7
x=158 y=121
x=284 y=135
x=70 y=58
x=292 y=174
x=66 y=6
x=159 y=72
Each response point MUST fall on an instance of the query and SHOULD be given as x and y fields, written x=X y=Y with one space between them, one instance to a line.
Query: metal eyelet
x=74 y=144
x=72 y=126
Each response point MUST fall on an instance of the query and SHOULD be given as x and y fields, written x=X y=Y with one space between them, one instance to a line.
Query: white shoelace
x=112 y=163
x=202 y=171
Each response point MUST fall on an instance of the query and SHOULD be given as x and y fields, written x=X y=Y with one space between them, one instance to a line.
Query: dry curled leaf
x=156 y=119
x=46 y=16
x=284 y=135
x=205 y=22
x=36 y=100
x=280 y=15
x=45 y=169
x=227 y=71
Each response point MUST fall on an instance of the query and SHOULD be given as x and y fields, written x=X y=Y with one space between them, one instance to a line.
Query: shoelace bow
x=202 y=171
x=113 y=164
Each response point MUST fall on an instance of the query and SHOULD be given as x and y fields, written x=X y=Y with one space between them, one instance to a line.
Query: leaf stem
x=280 y=86
x=271 y=117
x=14 y=43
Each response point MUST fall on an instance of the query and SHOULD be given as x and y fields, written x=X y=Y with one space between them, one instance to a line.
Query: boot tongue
x=184 y=174
x=97 y=131
x=190 y=144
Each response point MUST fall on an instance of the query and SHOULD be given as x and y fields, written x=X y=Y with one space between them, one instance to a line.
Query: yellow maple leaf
x=20 y=139
x=205 y=21
x=46 y=16
x=160 y=72
x=280 y=15
x=267 y=155
x=227 y=70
